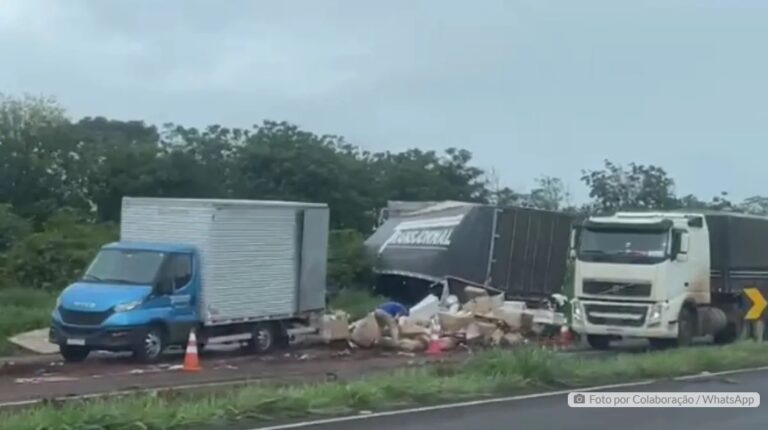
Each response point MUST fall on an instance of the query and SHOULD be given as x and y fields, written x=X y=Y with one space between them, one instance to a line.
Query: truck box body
x=738 y=256
x=260 y=259
x=521 y=251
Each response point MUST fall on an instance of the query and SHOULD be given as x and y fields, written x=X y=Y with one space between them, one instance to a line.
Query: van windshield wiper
x=89 y=277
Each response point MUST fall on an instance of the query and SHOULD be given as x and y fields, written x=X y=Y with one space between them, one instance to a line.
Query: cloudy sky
x=531 y=87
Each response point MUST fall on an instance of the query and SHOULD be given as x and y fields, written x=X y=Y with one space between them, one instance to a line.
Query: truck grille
x=83 y=318
x=627 y=316
x=625 y=289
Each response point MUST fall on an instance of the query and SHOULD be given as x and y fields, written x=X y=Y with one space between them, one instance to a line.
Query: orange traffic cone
x=434 y=340
x=191 y=360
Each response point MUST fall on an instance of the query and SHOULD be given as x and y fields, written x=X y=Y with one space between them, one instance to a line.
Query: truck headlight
x=576 y=312
x=125 y=307
x=656 y=312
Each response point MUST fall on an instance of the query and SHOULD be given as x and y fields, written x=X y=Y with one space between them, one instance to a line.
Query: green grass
x=22 y=310
x=487 y=374
x=356 y=302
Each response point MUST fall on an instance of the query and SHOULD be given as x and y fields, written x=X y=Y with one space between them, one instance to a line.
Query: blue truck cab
x=138 y=297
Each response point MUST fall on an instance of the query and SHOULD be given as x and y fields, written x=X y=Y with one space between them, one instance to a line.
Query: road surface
x=36 y=378
x=553 y=412
x=111 y=374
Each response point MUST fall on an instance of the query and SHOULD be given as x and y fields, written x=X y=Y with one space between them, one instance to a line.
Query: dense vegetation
x=62 y=180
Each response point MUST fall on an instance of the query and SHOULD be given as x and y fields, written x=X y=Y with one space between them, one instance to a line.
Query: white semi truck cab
x=668 y=277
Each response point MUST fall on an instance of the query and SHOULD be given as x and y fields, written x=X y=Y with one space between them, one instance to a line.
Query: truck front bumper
x=622 y=319
x=98 y=338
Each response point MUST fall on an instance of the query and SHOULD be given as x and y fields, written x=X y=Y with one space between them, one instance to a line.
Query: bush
x=57 y=255
x=348 y=265
x=356 y=302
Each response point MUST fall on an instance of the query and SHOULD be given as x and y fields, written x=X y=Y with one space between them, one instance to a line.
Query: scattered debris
x=435 y=324
x=425 y=310
x=344 y=353
x=224 y=366
x=334 y=327
x=43 y=379
x=366 y=332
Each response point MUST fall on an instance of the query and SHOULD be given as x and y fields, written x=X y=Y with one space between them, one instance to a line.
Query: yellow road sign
x=758 y=303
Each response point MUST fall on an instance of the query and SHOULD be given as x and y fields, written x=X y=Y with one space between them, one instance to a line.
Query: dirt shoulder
x=43 y=378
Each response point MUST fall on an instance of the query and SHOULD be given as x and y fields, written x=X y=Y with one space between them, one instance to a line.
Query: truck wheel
x=597 y=341
x=685 y=327
x=74 y=354
x=150 y=346
x=263 y=339
x=729 y=334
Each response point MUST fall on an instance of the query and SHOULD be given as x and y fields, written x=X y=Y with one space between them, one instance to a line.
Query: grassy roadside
x=487 y=374
x=356 y=302
x=22 y=310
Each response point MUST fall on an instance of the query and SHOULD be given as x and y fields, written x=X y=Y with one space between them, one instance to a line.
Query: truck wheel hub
x=152 y=344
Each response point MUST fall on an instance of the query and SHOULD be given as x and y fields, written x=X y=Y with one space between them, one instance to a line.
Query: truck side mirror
x=574 y=239
x=680 y=245
x=684 y=243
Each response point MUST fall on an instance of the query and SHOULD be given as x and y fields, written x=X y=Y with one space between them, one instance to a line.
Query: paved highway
x=553 y=412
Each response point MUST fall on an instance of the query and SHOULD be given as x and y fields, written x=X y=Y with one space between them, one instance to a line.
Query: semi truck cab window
x=624 y=242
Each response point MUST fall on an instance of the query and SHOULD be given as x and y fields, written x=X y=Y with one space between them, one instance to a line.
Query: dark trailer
x=520 y=251
x=737 y=251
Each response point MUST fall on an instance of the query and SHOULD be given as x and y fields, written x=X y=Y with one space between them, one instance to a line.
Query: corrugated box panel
x=252 y=267
x=166 y=221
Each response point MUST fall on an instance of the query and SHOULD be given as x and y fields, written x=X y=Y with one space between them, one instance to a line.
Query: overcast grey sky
x=531 y=87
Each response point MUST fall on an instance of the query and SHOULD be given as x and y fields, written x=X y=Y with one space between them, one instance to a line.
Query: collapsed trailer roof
x=519 y=250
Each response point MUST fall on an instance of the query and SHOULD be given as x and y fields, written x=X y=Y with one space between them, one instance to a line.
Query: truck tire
x=264 y=339
x=598 y=341
x=74 y=354
x=150 y=345
x=686 y=326
x=729 y=334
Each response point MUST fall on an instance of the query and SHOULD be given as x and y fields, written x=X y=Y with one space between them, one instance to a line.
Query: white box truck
x=233 y=270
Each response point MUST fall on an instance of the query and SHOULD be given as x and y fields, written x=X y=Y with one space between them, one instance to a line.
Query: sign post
x=755 y=312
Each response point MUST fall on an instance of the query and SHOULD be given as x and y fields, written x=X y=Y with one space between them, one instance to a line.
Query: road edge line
x=501 y=400
x=466 y=404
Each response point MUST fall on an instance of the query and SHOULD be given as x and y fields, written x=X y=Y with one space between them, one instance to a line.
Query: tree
x=755 y=205
x=636 y=187
x=550 y=194
x=498 y=194
x=42 y=163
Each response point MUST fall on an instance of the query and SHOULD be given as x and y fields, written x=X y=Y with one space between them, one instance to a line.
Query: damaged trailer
x=520 y=251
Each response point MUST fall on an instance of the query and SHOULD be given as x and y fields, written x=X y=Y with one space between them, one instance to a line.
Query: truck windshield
x=624 y=242
x=120 y=266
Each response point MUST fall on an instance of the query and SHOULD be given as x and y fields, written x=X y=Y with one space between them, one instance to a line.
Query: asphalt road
x=553 y=412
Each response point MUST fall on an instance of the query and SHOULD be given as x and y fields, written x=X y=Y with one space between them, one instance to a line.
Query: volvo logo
x=617 y=288
x=89 y=305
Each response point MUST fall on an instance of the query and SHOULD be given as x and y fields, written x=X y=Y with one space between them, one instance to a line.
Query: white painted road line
x=499 y=400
